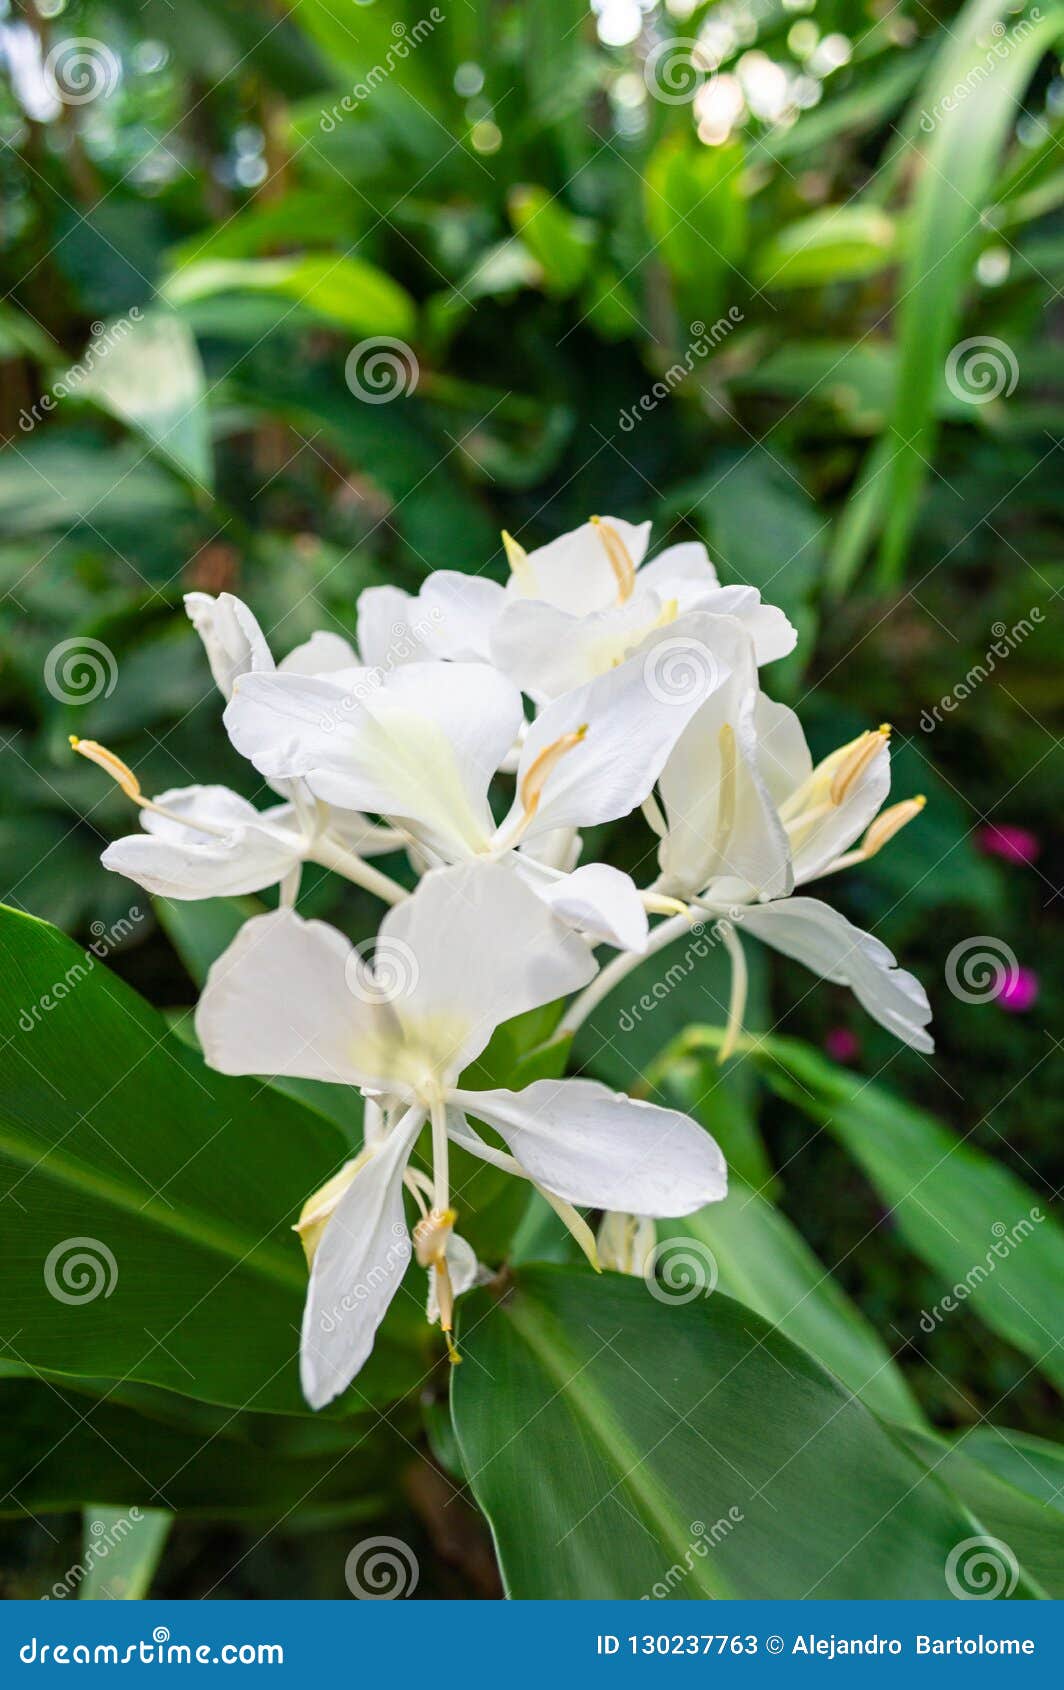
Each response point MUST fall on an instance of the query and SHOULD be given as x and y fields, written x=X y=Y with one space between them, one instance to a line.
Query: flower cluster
x=642 y=689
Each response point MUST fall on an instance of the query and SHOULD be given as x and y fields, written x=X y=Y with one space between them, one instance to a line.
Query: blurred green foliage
x=792 y=295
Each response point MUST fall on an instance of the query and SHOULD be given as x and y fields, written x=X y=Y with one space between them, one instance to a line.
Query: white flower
x=473 y=947
x=747 y=817
x=236 y=645
x=421 y=744
x=571 y=610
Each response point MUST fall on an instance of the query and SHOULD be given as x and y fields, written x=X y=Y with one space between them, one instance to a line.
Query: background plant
x=789 y=296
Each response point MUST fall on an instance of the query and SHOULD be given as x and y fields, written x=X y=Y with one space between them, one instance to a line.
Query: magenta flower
x=1019 y=990
x=842 y=1045
x=1012 y=844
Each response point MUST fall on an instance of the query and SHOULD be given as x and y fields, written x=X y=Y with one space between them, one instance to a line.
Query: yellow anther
x=855 y=761
x=542 y=767
x=112 y=765
x=889 y=823
x=517 y=558
x=619 y=557
x=317 y=1210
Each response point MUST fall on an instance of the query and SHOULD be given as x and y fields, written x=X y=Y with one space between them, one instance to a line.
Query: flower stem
x=353 y=868
x=617 y=970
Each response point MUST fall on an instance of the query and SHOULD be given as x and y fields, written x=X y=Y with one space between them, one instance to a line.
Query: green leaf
x=148 y=374
x=176 y=1188
x=344 y=291
x=764 y=1262
x=997 y=1250
x=696 y=213
x=835 y=245
x=121 y=1549
x=561 y=244
x=685 y=1450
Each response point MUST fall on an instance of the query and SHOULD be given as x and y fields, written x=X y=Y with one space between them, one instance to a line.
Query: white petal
x=574 y=572
x=387 y=635
x=280 y=1001
x=547 y=651
x=773 y=635
x=234 y=642
x=457 y=613
x=682 y=572
x=474 y=946
x=601 y=902
x=249 y=852
x=815 y=934
x=836 y=830
x=358 y=1268
x=632 y=718
x=604 y=1150
x=323 y=653
x=722 y=821
x=421 y=745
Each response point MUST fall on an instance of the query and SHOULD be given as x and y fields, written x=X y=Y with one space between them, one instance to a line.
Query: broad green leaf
x=695 y=211
x=147 y=373
x=151 y=1199
x=121 y=1549
x=683 y=1449
x=764 y=1262
x=834 y=245
x=1029 y=1534
x=345 y=291
x=60 y=1444
x=994 y=1243
x=1029 y=1464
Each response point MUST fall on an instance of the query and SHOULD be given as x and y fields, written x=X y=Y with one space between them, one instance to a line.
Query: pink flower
x=1013 y=844
x=1018 y=991
x=842 y=1045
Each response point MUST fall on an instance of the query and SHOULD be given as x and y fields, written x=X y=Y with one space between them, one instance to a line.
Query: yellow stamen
x=620 y=560
x=542 y=767
x=889 y=823
x=855 y=762
x=658 y=903
x=431 y=1235
x=112 y=765
x=517 y=558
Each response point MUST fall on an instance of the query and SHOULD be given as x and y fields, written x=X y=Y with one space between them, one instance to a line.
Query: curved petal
x=547 y=651
x=773 y=634
x=682 y=572
x=358 y=1267
x=387 y=629
x=605 y=1150
x=458 y=613
x=473 y=947
x=323 y=653
x=279 y=1001
x=835 y=827
x=815 y=934
x=234 y=642
x=243 y=852
x=574 y=572
x=601 y=902
x=629 y=721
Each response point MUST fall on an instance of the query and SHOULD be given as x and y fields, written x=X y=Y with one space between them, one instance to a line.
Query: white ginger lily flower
x=208 y=841
x=747 y=817
x=421 y=744
x=571 y=610
x=471 y=948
